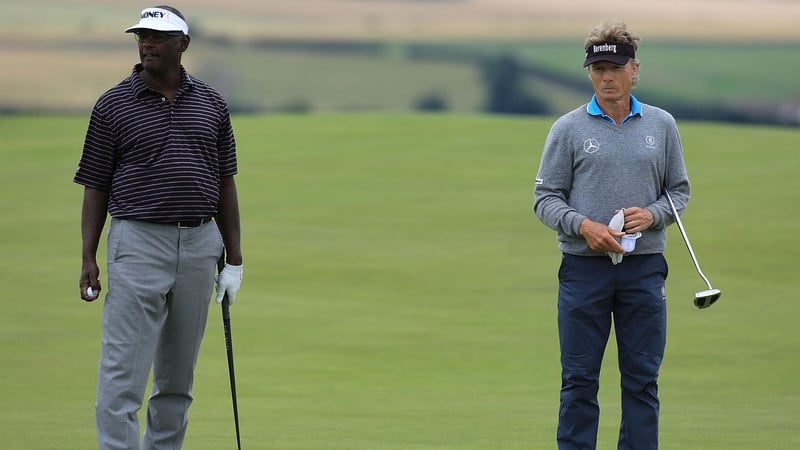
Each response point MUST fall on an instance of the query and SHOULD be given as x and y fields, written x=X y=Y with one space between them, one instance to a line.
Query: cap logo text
x=152 y=15
x=605 y=48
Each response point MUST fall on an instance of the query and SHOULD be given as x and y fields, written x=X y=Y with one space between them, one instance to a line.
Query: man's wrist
x=233 y=259
x=583 y=223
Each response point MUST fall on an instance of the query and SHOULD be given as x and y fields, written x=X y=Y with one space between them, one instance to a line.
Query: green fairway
x=400 y=294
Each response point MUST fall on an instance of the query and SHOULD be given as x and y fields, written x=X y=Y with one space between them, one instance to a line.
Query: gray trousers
x=160 y=280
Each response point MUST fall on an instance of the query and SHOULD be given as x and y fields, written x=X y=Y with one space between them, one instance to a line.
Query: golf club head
x=704 y=299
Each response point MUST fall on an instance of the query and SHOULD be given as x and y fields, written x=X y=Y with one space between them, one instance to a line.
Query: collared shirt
x=594 y=109
x=160 y=161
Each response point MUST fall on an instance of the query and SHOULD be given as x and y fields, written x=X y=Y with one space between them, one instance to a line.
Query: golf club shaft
x=686 y=238
x=226 y=325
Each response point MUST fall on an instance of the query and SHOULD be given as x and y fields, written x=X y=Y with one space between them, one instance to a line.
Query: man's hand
x=637 y=219
x=229 y=281
x=601 y=238
x=93 y=218
x=89 y=279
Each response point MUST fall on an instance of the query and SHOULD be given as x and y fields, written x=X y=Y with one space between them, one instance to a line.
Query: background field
x=709 y=59
x=399 y=293
x=719 y=20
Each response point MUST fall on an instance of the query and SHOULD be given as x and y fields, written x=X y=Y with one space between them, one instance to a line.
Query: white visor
x=160 y=20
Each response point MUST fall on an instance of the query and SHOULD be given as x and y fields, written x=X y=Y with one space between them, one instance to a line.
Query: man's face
x=612 y=82
x=160 y=51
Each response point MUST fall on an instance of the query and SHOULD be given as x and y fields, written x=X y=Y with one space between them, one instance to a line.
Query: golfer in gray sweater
x=602 y=177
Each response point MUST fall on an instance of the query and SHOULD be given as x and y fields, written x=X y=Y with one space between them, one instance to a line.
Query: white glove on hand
x=229 y=281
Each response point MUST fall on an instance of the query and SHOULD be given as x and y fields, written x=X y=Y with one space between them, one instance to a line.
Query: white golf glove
x=628 y=241
x=229 y=281
x=617 y=223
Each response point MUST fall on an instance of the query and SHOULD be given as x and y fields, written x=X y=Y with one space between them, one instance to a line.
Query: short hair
x=614 y=30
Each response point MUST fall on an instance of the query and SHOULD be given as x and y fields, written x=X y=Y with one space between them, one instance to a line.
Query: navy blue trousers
x=593 y=292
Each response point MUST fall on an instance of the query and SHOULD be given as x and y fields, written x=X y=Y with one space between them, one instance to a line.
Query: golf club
x=226 y=325
x=702 y=299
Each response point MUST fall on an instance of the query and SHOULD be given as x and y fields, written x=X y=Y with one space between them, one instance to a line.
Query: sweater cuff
x=658 y=219
x=576 y=221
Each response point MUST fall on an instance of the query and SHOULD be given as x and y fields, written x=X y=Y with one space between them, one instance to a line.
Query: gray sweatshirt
x=591 y=167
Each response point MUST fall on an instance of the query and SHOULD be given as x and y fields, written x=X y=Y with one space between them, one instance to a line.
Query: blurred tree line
x=505 y=78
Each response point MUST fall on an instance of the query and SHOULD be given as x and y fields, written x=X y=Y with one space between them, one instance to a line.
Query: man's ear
x=185 y=42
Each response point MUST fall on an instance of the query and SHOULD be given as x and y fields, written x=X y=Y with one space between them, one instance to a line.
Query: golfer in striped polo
x=160 y=159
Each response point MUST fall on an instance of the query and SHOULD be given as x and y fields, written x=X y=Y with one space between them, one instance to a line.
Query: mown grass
x=399 y=294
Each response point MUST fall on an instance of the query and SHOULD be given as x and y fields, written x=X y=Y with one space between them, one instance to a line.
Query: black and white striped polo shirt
x=160 y=161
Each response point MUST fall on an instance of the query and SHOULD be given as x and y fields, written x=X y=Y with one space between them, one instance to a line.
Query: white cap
x=160 y=20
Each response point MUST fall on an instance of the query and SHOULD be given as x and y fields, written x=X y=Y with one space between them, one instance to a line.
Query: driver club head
x=704 y=299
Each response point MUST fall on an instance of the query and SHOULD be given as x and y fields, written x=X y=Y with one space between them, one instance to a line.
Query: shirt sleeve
x=553 y=182
x=676 y=180
x=98 y=159
x=226 y=146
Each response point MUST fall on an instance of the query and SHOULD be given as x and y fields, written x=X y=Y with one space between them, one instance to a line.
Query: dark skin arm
x=93 y=219
x=227 y=219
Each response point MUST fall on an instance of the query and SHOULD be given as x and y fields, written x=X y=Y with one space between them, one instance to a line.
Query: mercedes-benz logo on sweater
x=591 y=145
